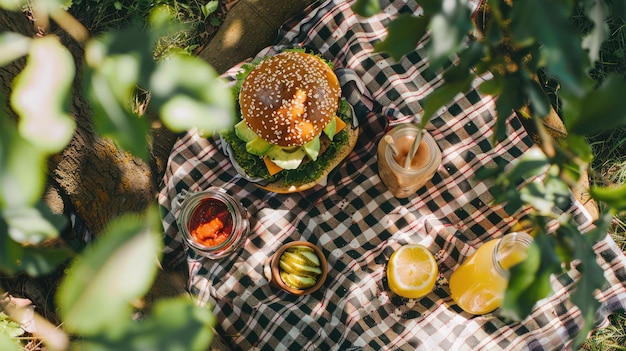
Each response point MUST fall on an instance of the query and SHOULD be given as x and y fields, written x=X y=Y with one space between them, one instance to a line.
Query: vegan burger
x=295 y=126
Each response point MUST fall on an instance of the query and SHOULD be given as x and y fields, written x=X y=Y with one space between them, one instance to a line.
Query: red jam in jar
x=212 y=223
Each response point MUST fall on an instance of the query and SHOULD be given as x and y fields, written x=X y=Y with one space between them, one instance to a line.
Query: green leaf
x=601 y=228
x=597 y=12
x=13 y=46
x=120 y=267
x=22 y=168
x=534 y=194
x=34 y=260
x=530 y=280
x=210 y=7
x=54 y=6
x=443 y=95
x=530 y=164
x=508 y=101
x=467 y=59
x=403 y=35
x=539 y=102
x=10 y=327
x=181 y=324
x=366 y=8
x=189 y=93
x=579 y=145
x=32 y=225
x=12 y=5
x=114 y=119
x=215 y=22
x=42 y=104
x=492 y=86
x=601 y=109
x=591 y=277
x=173 y=324
x=448 y=30
x=10 y=251
x=613 y=196
x=119 y=62
x=9 y=344
x=549 y=23
x=545 y=196
x=39 y=260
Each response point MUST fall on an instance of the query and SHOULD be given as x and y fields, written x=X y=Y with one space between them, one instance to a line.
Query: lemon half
x=412 y=271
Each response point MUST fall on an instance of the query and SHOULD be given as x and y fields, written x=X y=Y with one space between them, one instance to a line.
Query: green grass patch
x=609 y=167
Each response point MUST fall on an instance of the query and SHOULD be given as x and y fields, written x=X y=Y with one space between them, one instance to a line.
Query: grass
x=611 y=338
x=609 y=167
x=198 y=21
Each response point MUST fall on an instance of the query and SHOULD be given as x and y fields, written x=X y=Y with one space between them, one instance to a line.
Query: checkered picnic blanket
x=358 y=224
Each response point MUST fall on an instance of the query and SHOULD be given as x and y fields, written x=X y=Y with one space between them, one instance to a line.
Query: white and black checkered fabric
x=358 y=224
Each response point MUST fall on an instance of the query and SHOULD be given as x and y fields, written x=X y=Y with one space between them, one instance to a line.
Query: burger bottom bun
x=281 y=188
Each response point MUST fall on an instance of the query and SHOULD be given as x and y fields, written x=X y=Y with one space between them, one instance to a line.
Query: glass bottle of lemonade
x=479 y=284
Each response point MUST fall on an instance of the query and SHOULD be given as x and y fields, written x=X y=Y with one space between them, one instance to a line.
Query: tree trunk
x=91 y=176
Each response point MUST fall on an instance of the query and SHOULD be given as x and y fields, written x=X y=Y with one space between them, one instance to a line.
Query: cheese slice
x=340 y=125
x=271 y=166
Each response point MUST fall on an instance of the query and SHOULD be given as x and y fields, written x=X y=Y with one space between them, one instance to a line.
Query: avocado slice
x=244 y=132
x=312 y=148
x=286 y=158
x=258 y=146
x=331 y=129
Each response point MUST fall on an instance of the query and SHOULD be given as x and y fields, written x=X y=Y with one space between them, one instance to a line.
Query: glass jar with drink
x=479 y=284
x=404 y=178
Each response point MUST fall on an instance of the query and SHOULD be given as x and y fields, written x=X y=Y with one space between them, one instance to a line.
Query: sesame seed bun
x=289 y=98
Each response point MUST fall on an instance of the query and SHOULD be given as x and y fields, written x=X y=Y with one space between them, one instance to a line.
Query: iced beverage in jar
x=479 y=284
x=400 y=181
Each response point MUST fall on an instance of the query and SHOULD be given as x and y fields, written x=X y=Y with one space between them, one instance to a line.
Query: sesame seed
x=284 y=106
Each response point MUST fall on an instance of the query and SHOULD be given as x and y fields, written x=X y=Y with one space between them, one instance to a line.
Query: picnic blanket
x=358 y=224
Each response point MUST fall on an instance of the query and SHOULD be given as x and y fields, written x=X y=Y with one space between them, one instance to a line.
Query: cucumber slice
x=331 y=129
x=302 y=257
x=311 y=258
x=291 y=266
x=297 y=282
x=312 y=148
x=286 y=158
x=258 y=146
x=244 y=132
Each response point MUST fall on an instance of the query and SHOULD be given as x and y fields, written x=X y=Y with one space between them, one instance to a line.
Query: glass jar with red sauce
x=212 y=222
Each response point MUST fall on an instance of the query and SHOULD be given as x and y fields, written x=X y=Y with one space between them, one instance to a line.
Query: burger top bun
x=289 y=98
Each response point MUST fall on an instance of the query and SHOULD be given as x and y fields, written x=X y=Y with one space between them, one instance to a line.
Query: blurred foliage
x=101 y=285
x=510 y=45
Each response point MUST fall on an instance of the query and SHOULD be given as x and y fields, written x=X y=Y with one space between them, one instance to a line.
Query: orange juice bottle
x=479 y=284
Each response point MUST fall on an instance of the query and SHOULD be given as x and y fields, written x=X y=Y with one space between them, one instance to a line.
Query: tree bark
x=91 y=176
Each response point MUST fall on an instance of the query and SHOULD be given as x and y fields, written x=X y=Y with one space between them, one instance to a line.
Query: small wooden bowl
x=275 y=269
